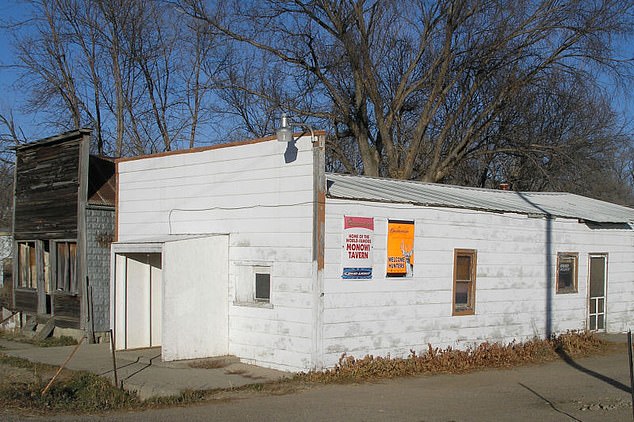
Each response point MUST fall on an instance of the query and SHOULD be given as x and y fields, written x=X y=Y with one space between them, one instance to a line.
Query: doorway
x=597 y=288
x=138 y=300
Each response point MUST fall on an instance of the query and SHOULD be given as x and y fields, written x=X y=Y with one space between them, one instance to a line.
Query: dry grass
x=209 y=364
x=47 y=342
x=449 y=360
x=79 y=392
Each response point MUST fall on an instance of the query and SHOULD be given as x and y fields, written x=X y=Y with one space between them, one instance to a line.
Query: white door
x=597 y=288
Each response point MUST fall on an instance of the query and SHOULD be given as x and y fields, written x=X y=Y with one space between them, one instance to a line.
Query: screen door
x=597 y=287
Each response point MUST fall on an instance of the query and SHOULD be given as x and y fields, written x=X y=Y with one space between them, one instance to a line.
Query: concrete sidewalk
x=143 y=372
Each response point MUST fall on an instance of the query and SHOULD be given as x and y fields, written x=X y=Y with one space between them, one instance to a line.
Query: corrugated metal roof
x=557 y=204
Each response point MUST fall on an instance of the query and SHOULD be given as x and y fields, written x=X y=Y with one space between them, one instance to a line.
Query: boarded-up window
x=27 y=274
x=567 y=272
x=464 y=277
x=66 y=268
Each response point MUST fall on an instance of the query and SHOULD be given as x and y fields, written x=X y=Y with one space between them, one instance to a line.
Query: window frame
x=245 y=281
x=73 y=289
x=471 y=289
x=575 y=281
x=31 y=269
x=261 y=271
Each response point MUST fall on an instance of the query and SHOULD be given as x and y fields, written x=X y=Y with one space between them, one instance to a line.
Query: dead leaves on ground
x=451 y=360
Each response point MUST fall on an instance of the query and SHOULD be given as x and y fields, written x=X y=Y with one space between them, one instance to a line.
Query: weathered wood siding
x=47 y=183
x=26 y=300
x=265 y=205
x=395 y=315
x=67 y=310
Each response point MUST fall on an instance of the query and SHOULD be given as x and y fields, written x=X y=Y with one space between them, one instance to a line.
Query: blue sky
x=12 y=100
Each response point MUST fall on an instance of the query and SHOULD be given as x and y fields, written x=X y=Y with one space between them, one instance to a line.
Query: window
x=464 y=277
x=567 y=272
x=66 y=267
x=27 y=274
x=262 y=287
x=253 y=284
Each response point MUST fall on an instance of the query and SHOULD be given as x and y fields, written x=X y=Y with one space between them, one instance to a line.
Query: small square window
x=262 y=287
x=253 y=285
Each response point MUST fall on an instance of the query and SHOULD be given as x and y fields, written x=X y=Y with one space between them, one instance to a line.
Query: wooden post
x=114 y=359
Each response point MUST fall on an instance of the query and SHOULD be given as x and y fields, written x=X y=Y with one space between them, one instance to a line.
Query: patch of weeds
x=186 y=397
x=56 y=341
x=209 y=364
x=578 y=344
x=47 y=342
x=24 y=363
x=77 y=392
x=449 y=360
x=82 y=392
x=86 y=392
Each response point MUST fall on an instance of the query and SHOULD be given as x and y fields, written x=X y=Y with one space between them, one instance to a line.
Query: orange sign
x=400 y=248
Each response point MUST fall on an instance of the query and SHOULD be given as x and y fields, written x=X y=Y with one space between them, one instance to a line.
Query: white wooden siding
x=395 y=315
x=264 y=205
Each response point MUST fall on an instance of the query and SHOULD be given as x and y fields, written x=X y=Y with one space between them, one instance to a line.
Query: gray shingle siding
x=100 y=232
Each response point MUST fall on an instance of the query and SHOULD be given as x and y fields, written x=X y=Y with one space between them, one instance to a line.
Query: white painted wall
x=195 y=298
x=264 y=204
x=393 y=316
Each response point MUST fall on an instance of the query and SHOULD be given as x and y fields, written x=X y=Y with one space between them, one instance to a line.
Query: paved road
x=592 y=389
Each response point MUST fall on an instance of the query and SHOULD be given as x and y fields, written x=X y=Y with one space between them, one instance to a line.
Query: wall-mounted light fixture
x=285 y=132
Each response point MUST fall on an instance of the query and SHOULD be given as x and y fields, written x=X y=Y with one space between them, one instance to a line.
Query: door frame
x=589 y=304
x=118 y=288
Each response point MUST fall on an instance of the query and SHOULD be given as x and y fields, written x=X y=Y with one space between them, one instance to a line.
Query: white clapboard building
x=251 y=249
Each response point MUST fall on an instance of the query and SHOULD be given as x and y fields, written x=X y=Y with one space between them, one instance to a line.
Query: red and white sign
x=356 y=259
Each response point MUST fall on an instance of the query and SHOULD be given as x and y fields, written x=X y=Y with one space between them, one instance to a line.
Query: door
x=597 y=287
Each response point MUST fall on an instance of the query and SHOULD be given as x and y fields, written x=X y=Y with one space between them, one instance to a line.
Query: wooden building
x=63 y=227
x=252 y=249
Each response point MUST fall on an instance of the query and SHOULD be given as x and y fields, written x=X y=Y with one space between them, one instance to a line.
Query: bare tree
x=10 y=137
x=418 y=86
x=48 y=66
x=135 y=71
